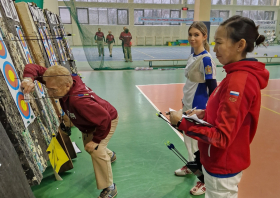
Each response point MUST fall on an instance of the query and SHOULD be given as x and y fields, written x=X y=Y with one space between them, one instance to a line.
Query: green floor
x=145 y=166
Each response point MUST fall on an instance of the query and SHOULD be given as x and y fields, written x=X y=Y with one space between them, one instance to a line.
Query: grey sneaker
x=114 y=157
x=108 y=193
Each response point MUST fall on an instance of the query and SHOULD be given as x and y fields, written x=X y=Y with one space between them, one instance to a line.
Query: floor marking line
x=271 y=90
x=179 y=134
x=270 y=110
x=270 y=96
x=161 y=84
x=144 y=53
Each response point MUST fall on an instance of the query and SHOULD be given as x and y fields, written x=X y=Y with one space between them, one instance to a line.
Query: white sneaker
x=183 y=171
x=198 y=189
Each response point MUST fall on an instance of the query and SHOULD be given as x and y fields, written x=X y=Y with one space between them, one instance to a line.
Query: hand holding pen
x=199 y=112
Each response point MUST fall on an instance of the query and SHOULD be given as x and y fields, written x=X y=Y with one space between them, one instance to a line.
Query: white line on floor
x=178 y=133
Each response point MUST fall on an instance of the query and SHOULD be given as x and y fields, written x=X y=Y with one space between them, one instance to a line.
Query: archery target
x=23 y=107
x=21 y=37
x=51 y=50
x=3 y=49
x=29 y=59
x=46 y=32
x=12 y=79
x=40 y=88
x=10 y=75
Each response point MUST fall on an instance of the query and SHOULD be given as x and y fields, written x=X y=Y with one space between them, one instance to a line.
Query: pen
x=190 y=111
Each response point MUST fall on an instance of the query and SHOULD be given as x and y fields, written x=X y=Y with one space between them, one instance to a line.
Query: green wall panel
x=39 y=3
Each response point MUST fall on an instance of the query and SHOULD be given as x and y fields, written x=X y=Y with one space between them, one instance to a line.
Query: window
x=122 y=17
x=190 y=14
x=137 y=14
x=102 y=16
x=257 y=2
x=105 y=16
x=64 y=14
x=175 y=14
x=156 y=13
x=158 y=1
x=112 y=17
x=107 y=1
x=191 y=1
x=257 y=14
x=221 y=2
x=82 y=14
x=224 y=14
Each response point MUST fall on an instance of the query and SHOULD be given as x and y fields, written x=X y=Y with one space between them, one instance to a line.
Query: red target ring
x=3 y=49
x=23 y=107
x=10 y=75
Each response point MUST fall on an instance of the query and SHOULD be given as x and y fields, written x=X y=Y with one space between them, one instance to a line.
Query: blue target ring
x=11 y=75
x=24 y=108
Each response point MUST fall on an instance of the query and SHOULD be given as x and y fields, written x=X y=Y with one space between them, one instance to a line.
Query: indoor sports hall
x=150 y=81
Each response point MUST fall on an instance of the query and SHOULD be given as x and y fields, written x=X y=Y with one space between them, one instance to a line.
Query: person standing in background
x=121 y=38
x=127 y=45
x=109 y=40
x=99 y=38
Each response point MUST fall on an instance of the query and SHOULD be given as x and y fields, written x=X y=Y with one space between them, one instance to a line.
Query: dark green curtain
x=38 y=2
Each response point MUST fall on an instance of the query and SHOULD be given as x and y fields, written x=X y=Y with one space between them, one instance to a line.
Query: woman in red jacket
x=233 y=109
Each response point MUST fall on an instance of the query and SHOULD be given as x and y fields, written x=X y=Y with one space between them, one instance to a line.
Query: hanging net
x=87 y=40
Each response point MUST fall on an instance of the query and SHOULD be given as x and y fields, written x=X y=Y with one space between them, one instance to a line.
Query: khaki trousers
x=101 y=157
x=100 y=46
x=127 y=53
x=110 y=46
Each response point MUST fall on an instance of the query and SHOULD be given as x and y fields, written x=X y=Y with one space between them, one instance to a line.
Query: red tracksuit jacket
x=126 y=39
x=233 y=109
x=88 y=113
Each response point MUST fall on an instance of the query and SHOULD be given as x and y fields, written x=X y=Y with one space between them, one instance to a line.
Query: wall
x=153 y=31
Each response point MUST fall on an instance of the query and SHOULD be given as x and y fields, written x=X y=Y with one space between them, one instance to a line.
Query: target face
x=3 y=49
x=41 y=33
x=29 y=59
x=40 y=87
x=48 y=52
x=20 y=35
x=46 y=32
x=51 y=50
x=23 y=107
x=10 y=75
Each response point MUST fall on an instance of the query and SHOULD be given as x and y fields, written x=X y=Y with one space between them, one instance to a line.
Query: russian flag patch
x=234 y=93
x=233 y=96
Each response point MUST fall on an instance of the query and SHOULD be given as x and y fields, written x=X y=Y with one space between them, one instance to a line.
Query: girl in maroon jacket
x=232 y=109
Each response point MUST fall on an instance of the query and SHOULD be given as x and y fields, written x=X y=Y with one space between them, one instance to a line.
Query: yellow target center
x=11 y=76
x=23 y=105
x=39 y=84
x=1 y=47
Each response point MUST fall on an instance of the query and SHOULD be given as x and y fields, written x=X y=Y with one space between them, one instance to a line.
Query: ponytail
x=206 y=46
